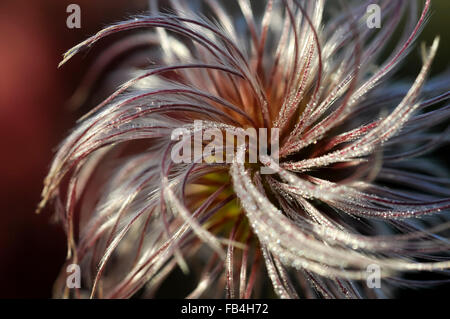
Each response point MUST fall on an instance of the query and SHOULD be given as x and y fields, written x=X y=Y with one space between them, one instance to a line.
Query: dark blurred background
x=34 y=118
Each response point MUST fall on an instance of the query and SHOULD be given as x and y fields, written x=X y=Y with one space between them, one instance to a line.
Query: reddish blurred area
x=34 y=118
